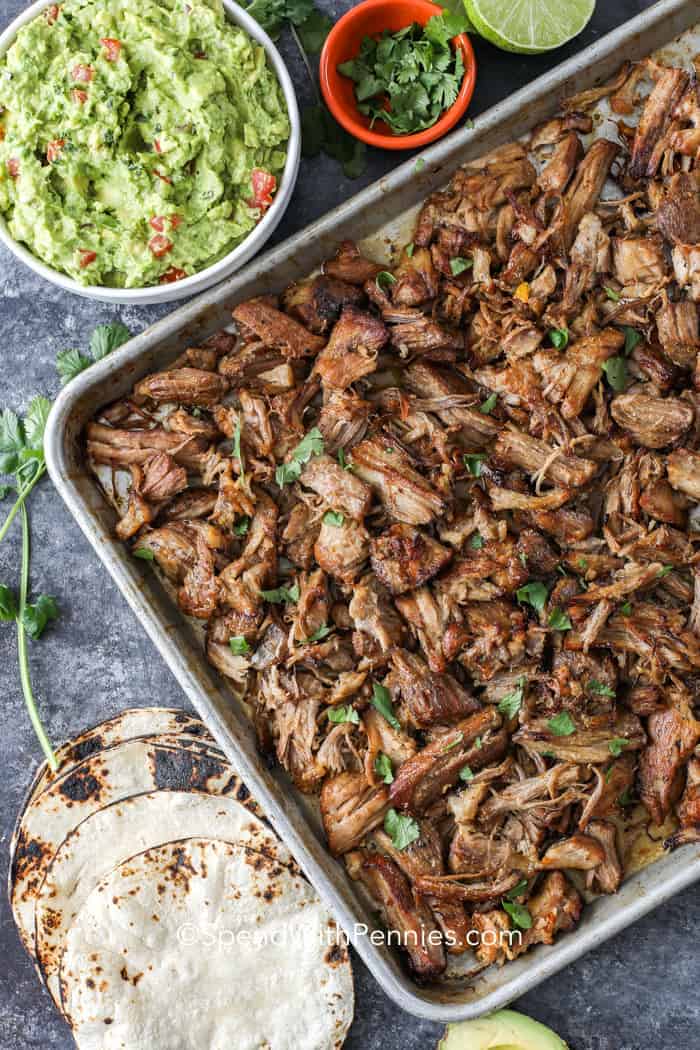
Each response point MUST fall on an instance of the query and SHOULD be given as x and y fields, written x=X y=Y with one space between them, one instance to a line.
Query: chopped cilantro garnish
x=535 y=594
x=562 y=724
x=401 y=829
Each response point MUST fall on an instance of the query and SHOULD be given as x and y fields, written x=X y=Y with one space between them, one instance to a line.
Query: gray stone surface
x=636 y=992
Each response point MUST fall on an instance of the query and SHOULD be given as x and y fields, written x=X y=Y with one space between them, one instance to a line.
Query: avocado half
x=505 y=1030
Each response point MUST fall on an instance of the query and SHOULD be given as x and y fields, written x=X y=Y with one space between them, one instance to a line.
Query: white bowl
x=164 y=293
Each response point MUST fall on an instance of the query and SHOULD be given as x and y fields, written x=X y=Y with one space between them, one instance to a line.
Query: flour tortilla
x=108 y=837
x=156 y=959
x=135 y=721
x=138 y=765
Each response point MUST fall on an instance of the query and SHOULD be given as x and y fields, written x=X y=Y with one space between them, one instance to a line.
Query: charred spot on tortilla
x=180 y=770
x=242 y=793
x=84 y=749
x=28 y=855
x=81 y=786
x=336 y=955
x=194 y=726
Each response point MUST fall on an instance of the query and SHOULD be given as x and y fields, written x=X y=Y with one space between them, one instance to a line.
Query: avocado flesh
x=505 y=1030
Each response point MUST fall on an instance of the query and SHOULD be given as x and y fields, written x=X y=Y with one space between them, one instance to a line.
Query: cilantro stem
x=305 y=60
x=22 y=640
x=19 y=502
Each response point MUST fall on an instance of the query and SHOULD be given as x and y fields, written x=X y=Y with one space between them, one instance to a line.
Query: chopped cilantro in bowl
x=408 y=78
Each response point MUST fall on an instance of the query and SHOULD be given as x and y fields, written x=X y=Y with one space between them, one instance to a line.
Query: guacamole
x=141 y=140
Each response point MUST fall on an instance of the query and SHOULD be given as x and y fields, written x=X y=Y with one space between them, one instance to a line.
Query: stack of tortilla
x=159 y=908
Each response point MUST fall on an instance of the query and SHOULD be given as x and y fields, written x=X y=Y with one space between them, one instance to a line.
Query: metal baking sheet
x=377 y=217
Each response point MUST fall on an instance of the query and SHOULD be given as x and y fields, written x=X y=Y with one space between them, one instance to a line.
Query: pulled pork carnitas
x=439 y=521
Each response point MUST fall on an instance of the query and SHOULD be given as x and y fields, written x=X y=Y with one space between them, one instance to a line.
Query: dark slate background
x=637 y=992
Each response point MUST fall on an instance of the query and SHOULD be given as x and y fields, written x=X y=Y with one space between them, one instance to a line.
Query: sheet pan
x=377 y=217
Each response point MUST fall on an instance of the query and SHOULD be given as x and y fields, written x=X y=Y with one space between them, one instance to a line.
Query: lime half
x=529 y=26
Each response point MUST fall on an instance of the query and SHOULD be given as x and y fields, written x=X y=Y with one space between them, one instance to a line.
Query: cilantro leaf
x=487 y=407
x=319 y=633
x=36 y=617
x=35 y=422
x=242 y=525
x=562 y=724
x=559 y=620
x=632 y=338
x=342 y=460
x=616 y=745
x=612 y=294
x=145 y=553
x=238 y=645
x=321 y=133
x=334 y=517
x=298 y=11
x=510 y=704
x=343 y=713
x=458 y=265
x=70 y=363
x=12 y=441
x=615 y=369
x=384 y=280
x=270 y=14
x=535 y=594
x=381 y=700
x=401 y=829
x=310 y=445
x=473 y=462
x=476 y=542
x=517 y=890
x=600 y=689
x=281 y=594
x=383 y=768
x=314 y=30
x=519 y=914
x=107 y=337
x=443 y=27
x=559 y=337
x=8 y=603
x=466 y=774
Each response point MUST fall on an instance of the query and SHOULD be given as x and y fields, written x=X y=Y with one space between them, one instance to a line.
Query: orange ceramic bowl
x=343 y=43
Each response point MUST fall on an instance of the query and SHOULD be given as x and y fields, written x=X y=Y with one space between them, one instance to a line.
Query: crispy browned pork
x=437 y=518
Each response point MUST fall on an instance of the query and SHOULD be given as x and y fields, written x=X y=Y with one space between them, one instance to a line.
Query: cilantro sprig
x=408 y=78
x=310 y=445
x=381 y=699
x=22 y=456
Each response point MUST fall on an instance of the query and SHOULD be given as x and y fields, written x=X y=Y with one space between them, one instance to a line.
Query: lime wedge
x=529 y=26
